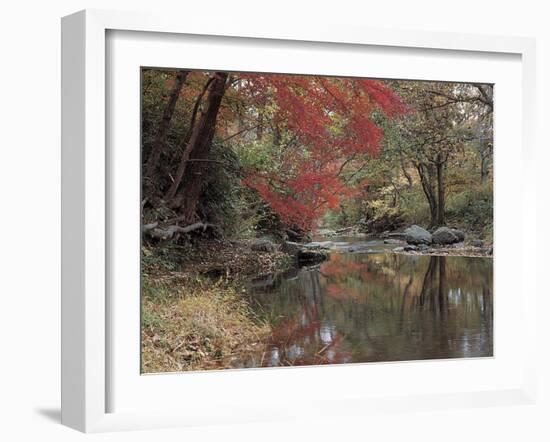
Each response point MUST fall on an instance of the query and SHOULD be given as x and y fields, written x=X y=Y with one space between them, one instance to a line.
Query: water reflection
x=378 y=307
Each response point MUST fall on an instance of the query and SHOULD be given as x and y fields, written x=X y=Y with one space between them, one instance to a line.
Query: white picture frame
x=87 y=350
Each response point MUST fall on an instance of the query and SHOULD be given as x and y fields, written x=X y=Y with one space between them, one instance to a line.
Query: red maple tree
x=331 y=119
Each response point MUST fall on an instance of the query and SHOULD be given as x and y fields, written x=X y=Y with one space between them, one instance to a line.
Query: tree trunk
x=425 y=175
x=260 y=127
x=407 y=175
x=201 y=135
x=192 y=184
x=160 y=140
x=440 y=168
x=484 y=165
x=276 y=135
x=404 y=170
x=483 y=175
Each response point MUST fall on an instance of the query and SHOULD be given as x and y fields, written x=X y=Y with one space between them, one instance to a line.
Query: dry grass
x=194 y=315
x=196 y=328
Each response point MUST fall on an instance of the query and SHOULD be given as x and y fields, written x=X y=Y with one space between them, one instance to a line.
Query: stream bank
x=194 y=313
x=413 y=240
x=197 y=309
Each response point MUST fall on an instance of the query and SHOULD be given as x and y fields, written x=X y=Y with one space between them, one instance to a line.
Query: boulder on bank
x=291 y=248
x=445 y=235
x=306 y=254
x=297 y=235
x=459 y=234
x=263 y=245
x=309 y=256
x=417 y=235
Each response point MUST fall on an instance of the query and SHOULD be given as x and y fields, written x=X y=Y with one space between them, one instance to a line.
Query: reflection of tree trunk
x=403 y=302
x=427 y=284
x=486 y=302
x=407 y=288
x=442 y=292
x=164 y=125
x=314 y=285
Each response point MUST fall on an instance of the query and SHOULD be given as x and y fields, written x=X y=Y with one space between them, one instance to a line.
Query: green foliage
x=472 y=210
x=349 y=213
x=259 y=155
x=414 y=206
x=237 y=209
x=219 y=202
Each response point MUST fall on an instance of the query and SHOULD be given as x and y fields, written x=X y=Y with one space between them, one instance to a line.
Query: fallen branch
x=163 y=233
x=147 y=227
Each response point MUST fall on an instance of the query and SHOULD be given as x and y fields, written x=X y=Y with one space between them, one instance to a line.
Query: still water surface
x=368 y=307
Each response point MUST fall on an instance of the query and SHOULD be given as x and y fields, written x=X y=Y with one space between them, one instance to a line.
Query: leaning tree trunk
x=192 y=184
x=201 y=135
x=160 y=139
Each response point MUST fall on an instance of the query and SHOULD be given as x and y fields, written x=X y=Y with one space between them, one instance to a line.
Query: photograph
x=302 y=220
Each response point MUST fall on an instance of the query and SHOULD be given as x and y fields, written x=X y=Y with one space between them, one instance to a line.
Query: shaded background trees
x=435 y=164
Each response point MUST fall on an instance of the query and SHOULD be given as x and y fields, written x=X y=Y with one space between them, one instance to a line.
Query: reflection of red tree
x=336 y=291
x=336 y=266
x=299 y=340
x=339 y=275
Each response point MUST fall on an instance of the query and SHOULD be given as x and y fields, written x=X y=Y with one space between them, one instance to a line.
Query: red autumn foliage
x=331 y=120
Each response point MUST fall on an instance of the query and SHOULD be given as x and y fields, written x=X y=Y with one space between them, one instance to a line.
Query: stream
x=366 y=305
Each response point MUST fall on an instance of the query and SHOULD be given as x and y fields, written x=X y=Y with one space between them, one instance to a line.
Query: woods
x=241 y=171
x=309 y=151
x=291 y=139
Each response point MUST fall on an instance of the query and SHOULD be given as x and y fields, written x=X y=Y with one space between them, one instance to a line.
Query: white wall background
x=30 y=215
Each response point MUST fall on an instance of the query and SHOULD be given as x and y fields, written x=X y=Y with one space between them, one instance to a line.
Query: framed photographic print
x=270 y=223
